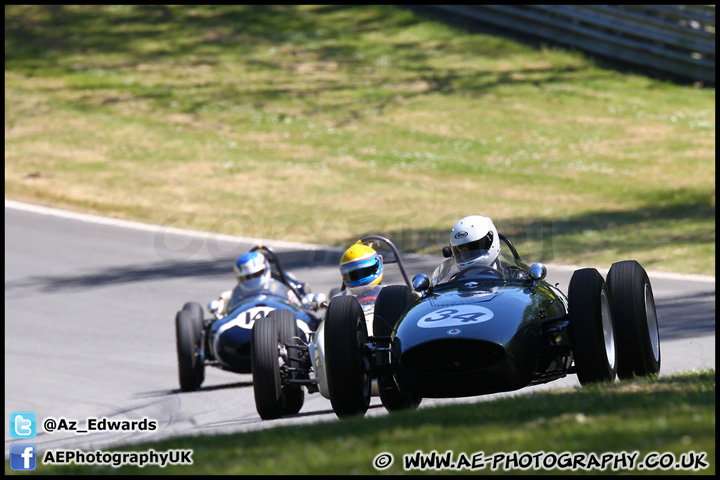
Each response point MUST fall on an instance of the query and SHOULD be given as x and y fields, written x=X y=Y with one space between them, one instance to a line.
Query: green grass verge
x=322 y=123
x=673 y=416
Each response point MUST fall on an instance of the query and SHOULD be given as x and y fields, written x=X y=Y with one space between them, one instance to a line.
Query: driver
x=252 y=271
x=254 y=276
x=361 y=268
x=474 y=241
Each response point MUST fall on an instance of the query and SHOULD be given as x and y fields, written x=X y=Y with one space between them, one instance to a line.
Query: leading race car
x=284 y=361
x=224 y=341
x=481 y=330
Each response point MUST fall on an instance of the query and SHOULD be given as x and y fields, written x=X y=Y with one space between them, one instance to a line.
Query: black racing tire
x=347 y=366
x=636 y=323
x=267 y=386
x=191 y=370
x=391 y=303
x=293 y=394
x=592 y=327
x=198 y=314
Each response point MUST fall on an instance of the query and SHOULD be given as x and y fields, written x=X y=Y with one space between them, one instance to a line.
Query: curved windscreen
x=275 y=290
x=449 y=271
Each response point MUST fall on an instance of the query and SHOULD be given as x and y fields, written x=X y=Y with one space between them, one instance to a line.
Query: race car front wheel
x=591 y=327
x=188 y=334
x=391 y=303
x=636 y=324
x=264 y=356
x=196 y=312
x=347 y=364
x=293 y=394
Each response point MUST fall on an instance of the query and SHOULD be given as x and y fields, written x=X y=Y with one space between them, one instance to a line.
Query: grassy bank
x=319 y=124
x=672 y=416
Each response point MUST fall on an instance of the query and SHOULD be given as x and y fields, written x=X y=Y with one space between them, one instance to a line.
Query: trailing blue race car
x=225 y=341
x=487 y=322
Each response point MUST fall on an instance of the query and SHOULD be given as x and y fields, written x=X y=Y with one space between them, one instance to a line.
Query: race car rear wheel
x=288 y=335
x=391 y=303
x=347 y=365
x=591 y=327
x=636 y=324
x=264 y=357
x=188 y=336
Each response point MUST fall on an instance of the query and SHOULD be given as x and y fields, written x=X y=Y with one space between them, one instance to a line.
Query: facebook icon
x=23 y=456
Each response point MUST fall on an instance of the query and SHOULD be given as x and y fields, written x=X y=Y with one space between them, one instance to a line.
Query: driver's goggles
x=252 y=276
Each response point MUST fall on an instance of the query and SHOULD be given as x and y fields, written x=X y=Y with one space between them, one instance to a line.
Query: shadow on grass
x=527 y=37
x=40 y=32
x=46 y=31
x=42 y=37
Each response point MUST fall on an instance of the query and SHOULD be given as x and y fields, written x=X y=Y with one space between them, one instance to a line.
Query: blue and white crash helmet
x=252 y=271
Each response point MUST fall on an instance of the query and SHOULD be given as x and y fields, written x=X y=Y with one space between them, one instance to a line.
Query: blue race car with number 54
x=487 y=322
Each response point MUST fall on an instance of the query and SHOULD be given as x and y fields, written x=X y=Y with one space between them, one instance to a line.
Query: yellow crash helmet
x=361 y=266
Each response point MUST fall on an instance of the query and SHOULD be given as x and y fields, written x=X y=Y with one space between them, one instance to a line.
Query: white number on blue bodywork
x=456 y=316
x=247 y=318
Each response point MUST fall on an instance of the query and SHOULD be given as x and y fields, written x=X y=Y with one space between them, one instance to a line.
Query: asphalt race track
x=89 y=325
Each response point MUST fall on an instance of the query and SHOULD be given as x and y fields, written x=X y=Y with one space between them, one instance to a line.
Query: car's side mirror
x=537 y=271
x=447 y=252
x=213 y=306
x=421 y=282
x=319 y=300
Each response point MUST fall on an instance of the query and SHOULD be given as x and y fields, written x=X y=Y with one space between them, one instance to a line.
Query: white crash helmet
x=252 y=271
x=474 y=240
